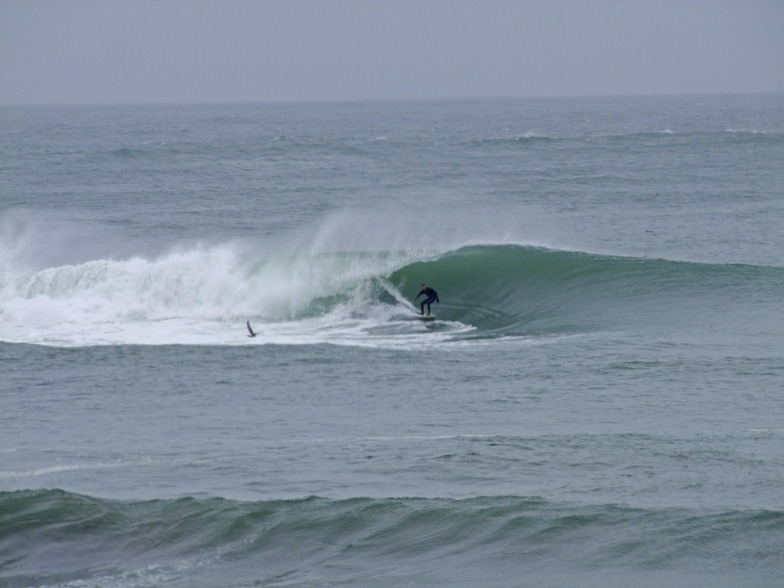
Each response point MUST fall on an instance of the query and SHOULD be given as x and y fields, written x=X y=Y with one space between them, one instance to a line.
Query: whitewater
x=598 y=402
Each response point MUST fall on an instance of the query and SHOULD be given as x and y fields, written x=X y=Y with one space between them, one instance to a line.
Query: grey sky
x=129 y=51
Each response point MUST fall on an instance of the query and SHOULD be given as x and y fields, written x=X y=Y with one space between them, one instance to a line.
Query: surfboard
x=426 y=317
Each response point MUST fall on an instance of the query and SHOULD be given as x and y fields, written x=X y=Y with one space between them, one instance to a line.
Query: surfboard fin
x=250 y=330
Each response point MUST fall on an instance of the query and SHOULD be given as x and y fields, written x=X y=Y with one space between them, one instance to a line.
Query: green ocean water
x=598 y=402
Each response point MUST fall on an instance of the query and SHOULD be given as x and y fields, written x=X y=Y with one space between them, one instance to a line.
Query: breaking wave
x=205 y=295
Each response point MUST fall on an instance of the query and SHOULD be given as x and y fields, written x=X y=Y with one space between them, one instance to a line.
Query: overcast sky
x=131 y=51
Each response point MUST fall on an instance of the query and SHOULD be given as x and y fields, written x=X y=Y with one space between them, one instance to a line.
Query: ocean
x=599 y=402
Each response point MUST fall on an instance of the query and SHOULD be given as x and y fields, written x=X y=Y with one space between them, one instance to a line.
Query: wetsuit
x=432 y=296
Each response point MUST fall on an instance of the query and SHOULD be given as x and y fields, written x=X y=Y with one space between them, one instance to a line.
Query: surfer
x=431 y=296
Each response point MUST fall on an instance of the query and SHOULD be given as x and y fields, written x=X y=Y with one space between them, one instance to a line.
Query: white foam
x=204 y=295
x=56 y=469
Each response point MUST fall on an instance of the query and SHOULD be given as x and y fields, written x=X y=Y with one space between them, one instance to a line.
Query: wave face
x=315 y=541
x=204 y=296
x=512 y=289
